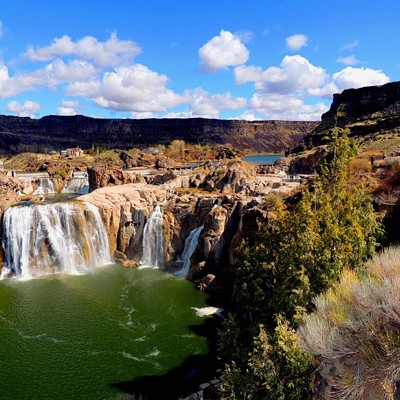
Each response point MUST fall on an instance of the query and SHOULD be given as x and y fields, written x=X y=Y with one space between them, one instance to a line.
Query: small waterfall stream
x=153 y=240
x=66 y=237
x=46 y=186
x=190 y=246
x=78 y=184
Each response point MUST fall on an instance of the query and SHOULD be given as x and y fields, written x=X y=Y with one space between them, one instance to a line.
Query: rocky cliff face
x=217 y=199
x=57 y=132
x=369 y=110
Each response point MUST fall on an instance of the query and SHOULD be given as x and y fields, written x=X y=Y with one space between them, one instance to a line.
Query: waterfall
x=190 y=246
x=153 y=240
x=46 y=186
x=49 y=238
x=78 y=184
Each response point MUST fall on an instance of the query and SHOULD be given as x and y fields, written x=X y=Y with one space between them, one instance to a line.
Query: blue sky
x=206 y=58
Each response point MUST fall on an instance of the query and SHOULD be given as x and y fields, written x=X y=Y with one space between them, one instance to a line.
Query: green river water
x=86 y=336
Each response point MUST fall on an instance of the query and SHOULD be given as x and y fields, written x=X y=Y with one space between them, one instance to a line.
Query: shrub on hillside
x=355 y=330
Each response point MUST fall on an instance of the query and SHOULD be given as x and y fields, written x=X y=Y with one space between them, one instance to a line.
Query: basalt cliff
x=48 y=133
x=368 y=111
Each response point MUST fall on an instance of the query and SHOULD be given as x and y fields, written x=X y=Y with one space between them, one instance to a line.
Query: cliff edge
x=52 y=132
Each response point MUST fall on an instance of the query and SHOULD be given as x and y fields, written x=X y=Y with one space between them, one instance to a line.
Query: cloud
x=68 y=107
x=295 y=73
x=349 y=60
x=247 y=116
x=111 y=53
x=28 y=109
x=21 y=82
x=200 y=103
x=143 y=115
x=74 y=70
x=222 y=51
x=247 y=73
x=284 y=107
x=350 y=77
x=203 y=104
x=296 y=42
x=244 y=35
x=135 y=88
x=349 y=46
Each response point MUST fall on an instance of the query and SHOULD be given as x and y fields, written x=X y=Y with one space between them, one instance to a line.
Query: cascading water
x=190 y=246
x=153 y=240
x=78 y=184
x=46 y=186
x=48 y=238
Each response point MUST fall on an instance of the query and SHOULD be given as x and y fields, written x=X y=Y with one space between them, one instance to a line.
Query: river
x=89 y=336
x=263 y=159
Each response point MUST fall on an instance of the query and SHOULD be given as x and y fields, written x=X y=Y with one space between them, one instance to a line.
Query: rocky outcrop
x=224 y=213
x=59 y=132
x=124 y=210
x=306 y=162
x=229 y=177
x=371 y=110
x=103 y=175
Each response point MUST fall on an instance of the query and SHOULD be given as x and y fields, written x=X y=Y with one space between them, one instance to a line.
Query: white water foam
x=208 y=311
x=153 y=240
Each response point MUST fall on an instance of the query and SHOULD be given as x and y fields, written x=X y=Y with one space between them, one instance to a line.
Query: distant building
x=1 y=166
x=75 y=152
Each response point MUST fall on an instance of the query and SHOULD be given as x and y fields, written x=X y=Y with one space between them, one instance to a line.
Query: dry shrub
x=355 y=330
x=359 y=166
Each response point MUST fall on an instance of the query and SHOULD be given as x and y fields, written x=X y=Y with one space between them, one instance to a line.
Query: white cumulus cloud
x=200 y=103
x=285 y=107
x=19 y=83
x=350 y=77
x=68 y=107
x=222 y=51
x=203 y=104
x=295 y=73
x=135 y=88
x=296 y=42
x=74 y=70
x=111 y=53
x=28 y=109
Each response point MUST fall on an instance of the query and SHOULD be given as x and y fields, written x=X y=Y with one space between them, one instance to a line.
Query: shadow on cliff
x=180 y=381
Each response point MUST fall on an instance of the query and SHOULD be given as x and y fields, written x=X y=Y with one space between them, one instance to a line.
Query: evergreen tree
x=299 y=254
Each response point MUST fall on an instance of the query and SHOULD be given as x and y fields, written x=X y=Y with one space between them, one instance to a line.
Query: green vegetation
x=299 y=254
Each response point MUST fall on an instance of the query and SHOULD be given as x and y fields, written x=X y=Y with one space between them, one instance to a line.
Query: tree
x=298 y=255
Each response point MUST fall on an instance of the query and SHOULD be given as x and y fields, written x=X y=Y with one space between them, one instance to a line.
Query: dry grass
x=355 y=330
x=383 y=143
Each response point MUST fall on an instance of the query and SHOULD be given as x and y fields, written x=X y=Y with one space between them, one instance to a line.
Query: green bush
x=299 y=253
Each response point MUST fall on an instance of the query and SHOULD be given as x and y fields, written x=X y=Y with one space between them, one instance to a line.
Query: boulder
x=104 y=175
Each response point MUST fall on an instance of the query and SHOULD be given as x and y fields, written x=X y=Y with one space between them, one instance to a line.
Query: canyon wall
x=371 y=110
x=18 y=134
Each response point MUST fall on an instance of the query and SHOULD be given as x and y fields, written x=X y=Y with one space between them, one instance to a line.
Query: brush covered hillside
x=19 y=134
